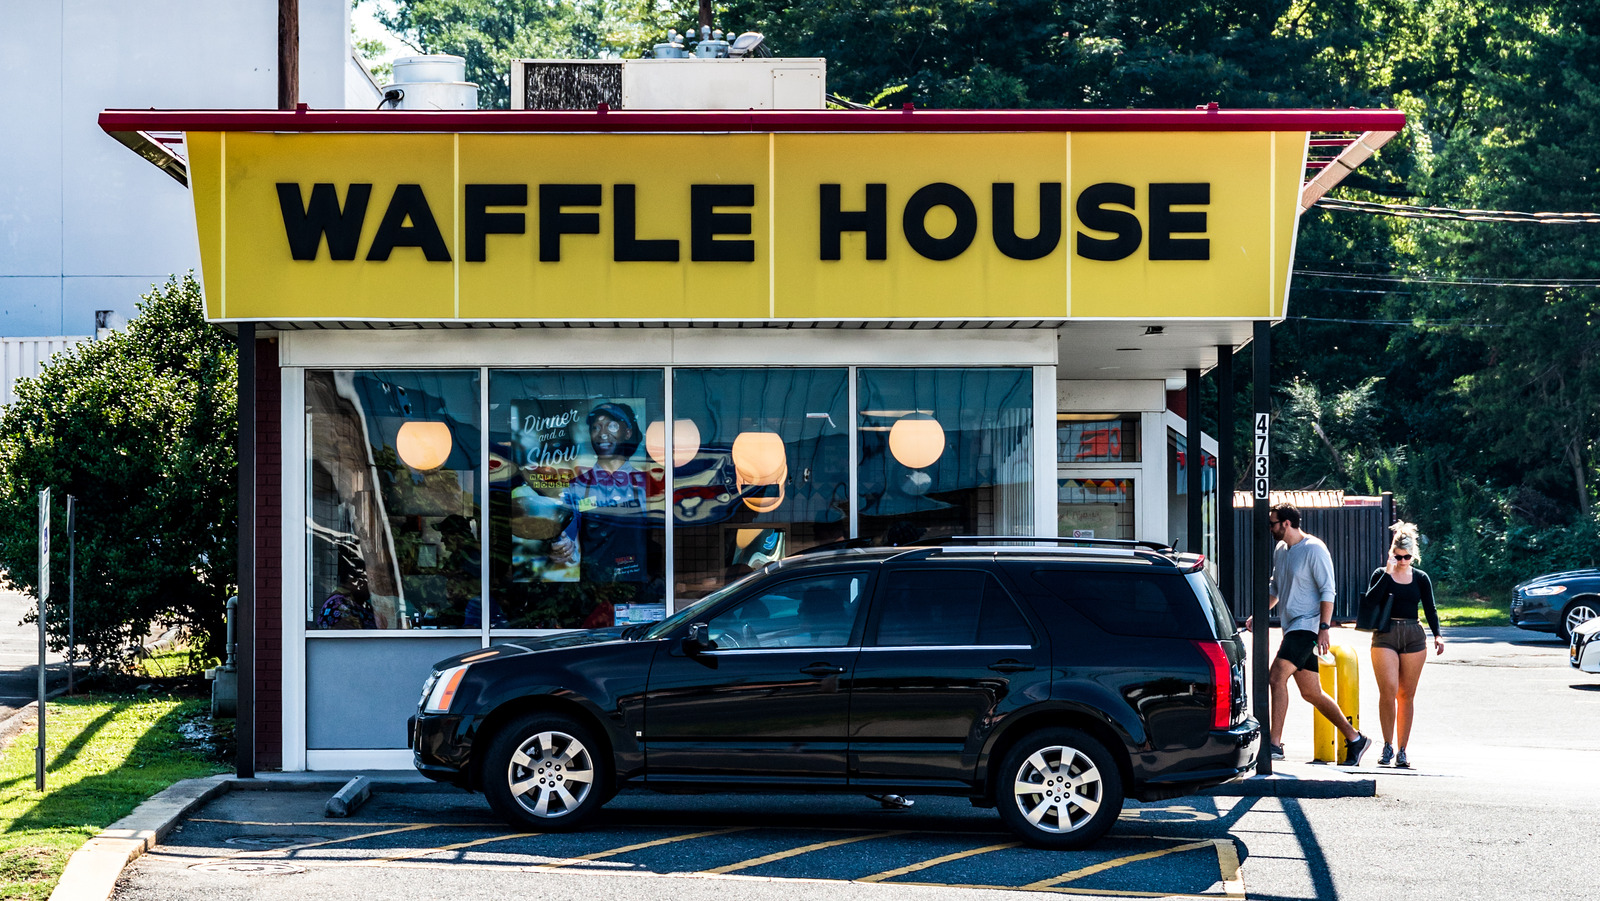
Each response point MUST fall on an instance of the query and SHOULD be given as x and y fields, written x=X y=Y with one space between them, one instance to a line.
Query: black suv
x=1048 y=678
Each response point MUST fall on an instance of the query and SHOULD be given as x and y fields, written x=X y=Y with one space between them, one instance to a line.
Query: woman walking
x=1399 y=651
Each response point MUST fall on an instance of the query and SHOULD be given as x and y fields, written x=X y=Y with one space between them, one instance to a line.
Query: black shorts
x=1405 y=636
x=1299 y=647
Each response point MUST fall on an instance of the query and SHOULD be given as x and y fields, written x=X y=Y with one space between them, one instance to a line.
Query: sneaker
x=1277 y=751
x=1387 y=756
x=1400 y=762
x=1354 y=750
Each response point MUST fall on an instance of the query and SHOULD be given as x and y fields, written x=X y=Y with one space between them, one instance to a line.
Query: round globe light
x=424 y=445
x=685 y=441
x=917 y=441
x=758 y=458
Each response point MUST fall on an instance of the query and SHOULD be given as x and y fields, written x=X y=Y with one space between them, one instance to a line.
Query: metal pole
x=72 y=591
x=244 y=725
x=44 y=597
x=1261 y=358
x=1226 y=556
x=1194 y=468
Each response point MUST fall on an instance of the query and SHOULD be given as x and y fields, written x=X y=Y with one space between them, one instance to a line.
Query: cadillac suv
x=1047 y=678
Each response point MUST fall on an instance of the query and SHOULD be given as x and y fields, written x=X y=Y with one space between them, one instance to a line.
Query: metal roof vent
x=434 y=82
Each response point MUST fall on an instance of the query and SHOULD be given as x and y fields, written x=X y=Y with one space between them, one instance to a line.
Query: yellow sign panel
x=584 y=227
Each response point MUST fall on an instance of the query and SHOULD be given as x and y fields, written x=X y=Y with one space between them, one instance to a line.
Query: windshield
x=687 y=614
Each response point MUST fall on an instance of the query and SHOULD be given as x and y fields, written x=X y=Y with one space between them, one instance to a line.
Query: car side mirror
x=698 y=639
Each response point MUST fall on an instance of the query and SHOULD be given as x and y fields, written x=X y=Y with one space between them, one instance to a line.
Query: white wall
x=85 y=224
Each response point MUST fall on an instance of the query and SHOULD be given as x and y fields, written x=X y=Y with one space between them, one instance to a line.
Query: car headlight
x=1544 y=590
x=441 y=689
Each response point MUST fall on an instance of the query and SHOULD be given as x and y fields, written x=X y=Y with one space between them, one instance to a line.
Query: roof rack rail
x=843 y=544
x=1089 y=542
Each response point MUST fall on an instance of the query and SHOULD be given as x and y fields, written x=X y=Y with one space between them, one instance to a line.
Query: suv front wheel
x=546 y=772
x=1059 y=788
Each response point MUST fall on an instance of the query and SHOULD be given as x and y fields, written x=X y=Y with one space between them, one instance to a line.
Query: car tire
x=1576 y=613
x=1059 y=788
x=533 y=765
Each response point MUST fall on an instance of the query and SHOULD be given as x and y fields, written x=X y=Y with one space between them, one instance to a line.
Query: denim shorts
x=1405 y=636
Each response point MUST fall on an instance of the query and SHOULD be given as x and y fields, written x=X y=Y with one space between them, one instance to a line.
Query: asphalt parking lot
x=1501 y=804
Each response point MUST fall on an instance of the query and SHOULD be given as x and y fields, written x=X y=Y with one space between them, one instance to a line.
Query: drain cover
x=254 y=868
x=270 y=841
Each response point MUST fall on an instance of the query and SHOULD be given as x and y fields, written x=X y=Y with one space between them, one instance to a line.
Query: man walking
x=1302 y=577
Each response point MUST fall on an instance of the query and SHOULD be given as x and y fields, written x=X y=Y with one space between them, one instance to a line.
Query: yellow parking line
x=1228 y=864
x=1064 y=890
x=1110 y=864
x=601 y=855
x=424 y=852
x=796 y=852
x=901 y=871
x=340 y=823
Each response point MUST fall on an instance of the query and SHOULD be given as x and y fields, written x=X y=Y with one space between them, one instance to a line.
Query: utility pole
x=288 y=53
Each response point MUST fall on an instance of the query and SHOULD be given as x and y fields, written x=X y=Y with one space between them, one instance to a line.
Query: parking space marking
x=1228 y=864
x=901 y=871
x=351 y=823
x=796 y=852
x=424 y=852
x=601 y=855
x=1115 y=862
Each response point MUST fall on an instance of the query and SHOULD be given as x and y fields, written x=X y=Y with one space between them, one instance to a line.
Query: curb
x=1300 y=781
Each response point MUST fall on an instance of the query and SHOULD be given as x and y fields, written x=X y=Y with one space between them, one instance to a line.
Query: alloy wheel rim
x=550 y=774
x=1580 y=615
x=1058 y=789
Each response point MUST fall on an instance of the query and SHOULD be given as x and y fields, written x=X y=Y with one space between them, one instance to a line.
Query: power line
x=1414 y=323
x=1407 y=211
x=1460 y=280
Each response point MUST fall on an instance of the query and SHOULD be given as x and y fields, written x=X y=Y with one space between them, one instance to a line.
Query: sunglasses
x=1402 y=556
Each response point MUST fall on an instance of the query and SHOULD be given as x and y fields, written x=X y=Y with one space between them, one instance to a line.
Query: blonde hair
x=1406 y=538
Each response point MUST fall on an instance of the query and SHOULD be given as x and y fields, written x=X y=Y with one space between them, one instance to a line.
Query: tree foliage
x=139 y=428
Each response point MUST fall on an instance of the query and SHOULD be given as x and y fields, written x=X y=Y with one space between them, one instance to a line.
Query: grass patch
x=1473 y=609
x=174 y=660
x=103 y=755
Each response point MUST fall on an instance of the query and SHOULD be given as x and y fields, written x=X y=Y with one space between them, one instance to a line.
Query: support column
x=1194 y=469
x=245 y=632
x=1226 y=473
x=1261 y=359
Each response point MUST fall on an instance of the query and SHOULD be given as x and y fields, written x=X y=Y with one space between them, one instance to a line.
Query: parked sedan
x=1585 y=646
x=1558 y=602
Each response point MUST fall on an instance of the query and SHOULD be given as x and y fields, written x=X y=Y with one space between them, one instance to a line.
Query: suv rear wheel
x=546 y=772
x=1059 y=788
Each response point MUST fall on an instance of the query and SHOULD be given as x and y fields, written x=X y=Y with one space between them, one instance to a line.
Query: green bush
x=139 y=427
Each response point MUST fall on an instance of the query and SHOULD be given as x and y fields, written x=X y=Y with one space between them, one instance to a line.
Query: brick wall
x=269 y=558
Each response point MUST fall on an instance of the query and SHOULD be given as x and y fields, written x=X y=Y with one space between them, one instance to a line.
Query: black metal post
x=245 y=724
x=1261 y=359
x=72 y=590
x=1194 y=469
x=1227 y=558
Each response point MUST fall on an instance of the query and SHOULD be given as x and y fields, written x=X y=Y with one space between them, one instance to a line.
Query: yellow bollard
x=1342 y=682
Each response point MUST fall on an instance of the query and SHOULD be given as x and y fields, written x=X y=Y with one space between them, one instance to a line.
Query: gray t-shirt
x=1302 y=580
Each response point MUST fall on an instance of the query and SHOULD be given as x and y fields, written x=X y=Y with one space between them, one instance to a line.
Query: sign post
x=44 y=596
x=72 y=591
x=1261 y=493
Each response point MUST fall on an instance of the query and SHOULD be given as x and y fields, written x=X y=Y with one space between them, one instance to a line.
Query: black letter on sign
x=874 y=220
x=705 y=223
x=915 y=221
x=480 y=223
x=1163 y=221
x=408 y=204
x=1092 y=213
x=553 y=223
x=304 y=226
x=628 y=249
x=1005 y=222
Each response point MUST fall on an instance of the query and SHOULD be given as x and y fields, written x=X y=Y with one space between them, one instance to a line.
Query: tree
x=139 y=428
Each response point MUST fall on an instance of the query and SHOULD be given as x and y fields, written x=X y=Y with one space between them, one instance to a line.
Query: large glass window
x=765 y=474
x=1094 y=508
x=394 y=540
x=945 y=452
x=1097 y=438
x=576 y=498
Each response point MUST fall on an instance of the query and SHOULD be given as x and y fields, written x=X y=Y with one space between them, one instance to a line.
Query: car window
x=816 y=612
x=1131 y=603
x=948 y=608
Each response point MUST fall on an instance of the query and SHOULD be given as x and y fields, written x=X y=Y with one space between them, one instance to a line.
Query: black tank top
x=1406 y=599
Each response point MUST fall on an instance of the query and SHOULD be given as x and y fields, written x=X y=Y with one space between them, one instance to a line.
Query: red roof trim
x=513 y=121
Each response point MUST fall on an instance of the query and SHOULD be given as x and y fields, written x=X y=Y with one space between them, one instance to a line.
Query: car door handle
x=822 y=669
x=1010 y=665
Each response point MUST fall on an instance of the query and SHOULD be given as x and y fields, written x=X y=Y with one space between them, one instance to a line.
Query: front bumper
x=441 y=747
x=1534 y=614
x=1584 y=651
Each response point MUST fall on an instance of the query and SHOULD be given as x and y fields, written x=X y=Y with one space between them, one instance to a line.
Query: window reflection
x=945 y=452
x=576 y=501
x=393 y=510
x=770 y=477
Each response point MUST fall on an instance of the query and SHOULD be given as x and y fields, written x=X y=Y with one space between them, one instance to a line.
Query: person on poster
x=607 y=535
x=1302 y=577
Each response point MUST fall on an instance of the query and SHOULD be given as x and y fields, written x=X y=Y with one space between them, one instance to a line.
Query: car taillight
x=1221 y=682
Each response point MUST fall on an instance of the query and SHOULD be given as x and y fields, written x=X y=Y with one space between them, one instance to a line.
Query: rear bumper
x=1225 y=756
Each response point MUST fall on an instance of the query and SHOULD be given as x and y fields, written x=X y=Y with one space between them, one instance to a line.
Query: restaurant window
x=1097 y=438
x=1095 y=508
x=945 y=452
x=761 y=469
x=576 y=498
x=393 y=531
